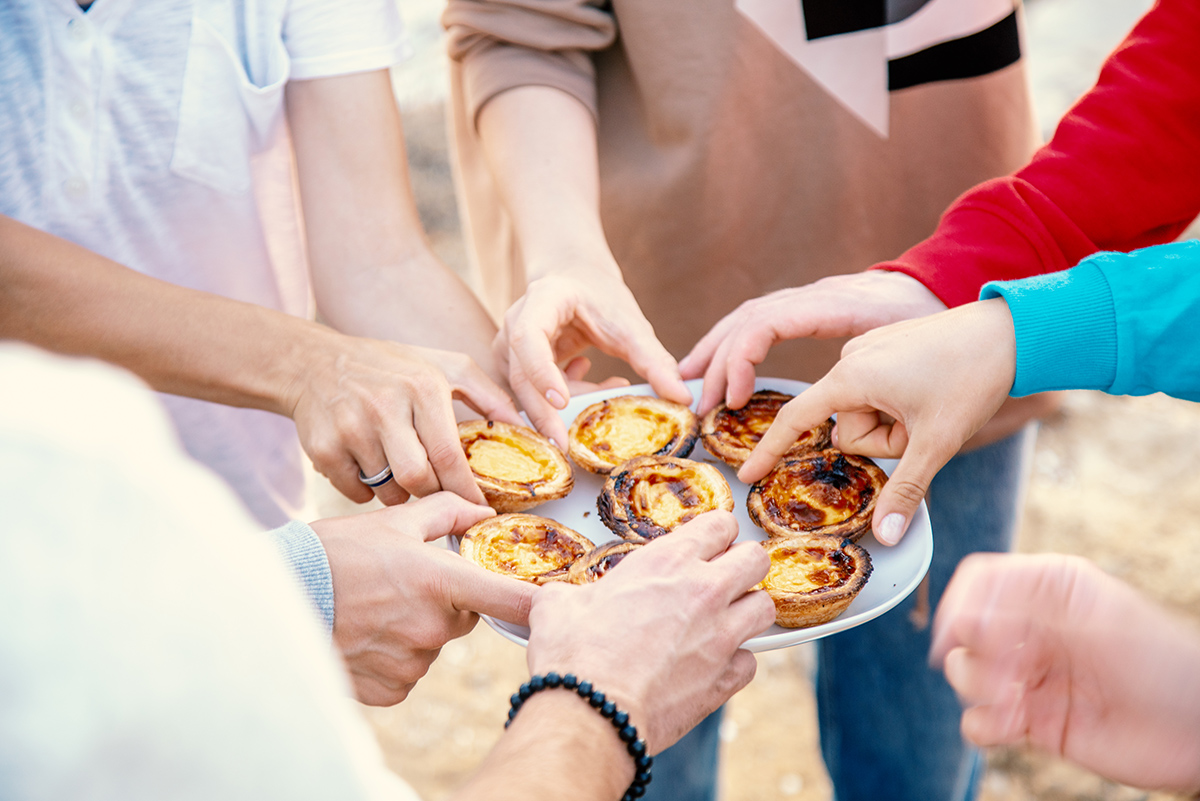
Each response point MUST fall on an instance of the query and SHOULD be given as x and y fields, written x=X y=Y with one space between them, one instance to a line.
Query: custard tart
x=526 y=547
x=593 y=565
x=813 y=579
x=731 y=434
x=607 y=434
x=515 y=467
x=828 y=494
x=652 y=495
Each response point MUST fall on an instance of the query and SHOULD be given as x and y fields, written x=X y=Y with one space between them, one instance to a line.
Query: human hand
x=366 y=404
x=916 y=390
x=1050 y=650
x=397 y=600
x=661 y=633
x=558 y=317
x=837 y=306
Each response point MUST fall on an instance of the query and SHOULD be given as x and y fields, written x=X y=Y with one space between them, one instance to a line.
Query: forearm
x=373 y=272
x=540 y=144
x=557 y=747
x=67 y=299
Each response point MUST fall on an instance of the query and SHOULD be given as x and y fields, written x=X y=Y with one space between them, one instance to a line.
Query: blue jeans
x=889 y=723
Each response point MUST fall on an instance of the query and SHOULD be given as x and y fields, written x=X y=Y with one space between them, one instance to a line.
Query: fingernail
x=891 y=529
x=554 y=442
x=833 y=437
x=556 y=400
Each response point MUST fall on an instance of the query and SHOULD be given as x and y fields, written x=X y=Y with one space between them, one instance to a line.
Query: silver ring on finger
x=377 y=480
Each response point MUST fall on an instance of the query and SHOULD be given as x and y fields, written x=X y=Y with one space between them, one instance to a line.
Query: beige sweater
x=726 y=170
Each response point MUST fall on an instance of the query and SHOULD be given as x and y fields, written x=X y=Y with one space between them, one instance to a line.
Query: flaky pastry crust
x=526 y=547
x=594 y=564
x=731 y=434
x=607 y=434
x=651 y=495
x=813 y=579
x=515 y=467
x=829 y=494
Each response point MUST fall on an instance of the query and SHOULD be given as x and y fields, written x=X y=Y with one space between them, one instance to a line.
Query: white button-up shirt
x=153 y=134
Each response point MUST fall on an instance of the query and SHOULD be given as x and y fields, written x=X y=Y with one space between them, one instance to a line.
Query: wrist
x=594 y=733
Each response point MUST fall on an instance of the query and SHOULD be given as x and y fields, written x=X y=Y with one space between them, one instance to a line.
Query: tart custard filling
x=800 y=569
x=660 y=495
x=501 y=456
x=617 y=437
x=820 y=491
x=528 y=550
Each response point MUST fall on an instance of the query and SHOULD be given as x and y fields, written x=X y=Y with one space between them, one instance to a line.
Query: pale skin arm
x=660 y=635
x=540 y=145
x=337 y=388
x=916 y=390
x=1050 y=651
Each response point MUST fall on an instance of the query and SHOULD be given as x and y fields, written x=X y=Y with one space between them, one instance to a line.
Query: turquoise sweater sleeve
x=1123 y=323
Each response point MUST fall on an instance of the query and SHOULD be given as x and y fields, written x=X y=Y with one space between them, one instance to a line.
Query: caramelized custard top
x=799 y=569
x=746 y=426
x=816 y=491
x=617 y=433
x=530 y=550
x=663 y=497
x=506 y=457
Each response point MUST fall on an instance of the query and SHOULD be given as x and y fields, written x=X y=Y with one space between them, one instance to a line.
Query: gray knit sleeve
x=302 y=550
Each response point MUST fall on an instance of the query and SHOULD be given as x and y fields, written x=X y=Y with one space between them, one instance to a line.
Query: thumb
x=439 y=515
x=906 y=488
x=474 y=589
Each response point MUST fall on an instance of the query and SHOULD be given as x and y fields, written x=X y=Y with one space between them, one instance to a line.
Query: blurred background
x=1114 y=480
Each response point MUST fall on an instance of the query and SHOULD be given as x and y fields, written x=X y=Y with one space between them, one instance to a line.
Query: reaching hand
x=916 y=390
x=557 y=318
x=837 y=306
x=661 y=632
x=366 y=404
x=1050 y=650
x=397 y=600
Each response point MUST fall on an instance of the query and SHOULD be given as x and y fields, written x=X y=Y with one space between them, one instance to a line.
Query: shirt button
x=79 y=29
x=75 y=188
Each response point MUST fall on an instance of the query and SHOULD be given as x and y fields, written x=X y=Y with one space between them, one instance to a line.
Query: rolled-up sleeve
x=503 y=44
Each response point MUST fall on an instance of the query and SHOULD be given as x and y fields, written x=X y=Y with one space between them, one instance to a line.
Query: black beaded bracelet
x=625 y=730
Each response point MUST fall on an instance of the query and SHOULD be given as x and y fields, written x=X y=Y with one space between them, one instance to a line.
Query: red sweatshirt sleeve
x=1122 y=172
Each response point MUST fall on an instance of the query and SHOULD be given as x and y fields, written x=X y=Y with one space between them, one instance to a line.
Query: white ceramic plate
x=897 y=571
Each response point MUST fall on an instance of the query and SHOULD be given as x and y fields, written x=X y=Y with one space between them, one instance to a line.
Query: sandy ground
x=1114 y=480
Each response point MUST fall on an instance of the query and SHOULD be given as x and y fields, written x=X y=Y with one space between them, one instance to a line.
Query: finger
x=473 y=387
x=797 y=416
x=865 y=433
x=704 y=537
x=696 y=363
x=753 y=613
x=906 y=487
x=545 y=418
x=577 y=369
x=438 y=515
x=739 y=569
x=474 y=589
x=746 y=351
x=343 y=475
x=738 y=674
x=411 y=469
x=653 y=362
x=433 y=419
x=390 y=492
x=532 y=353
x=715 y=380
